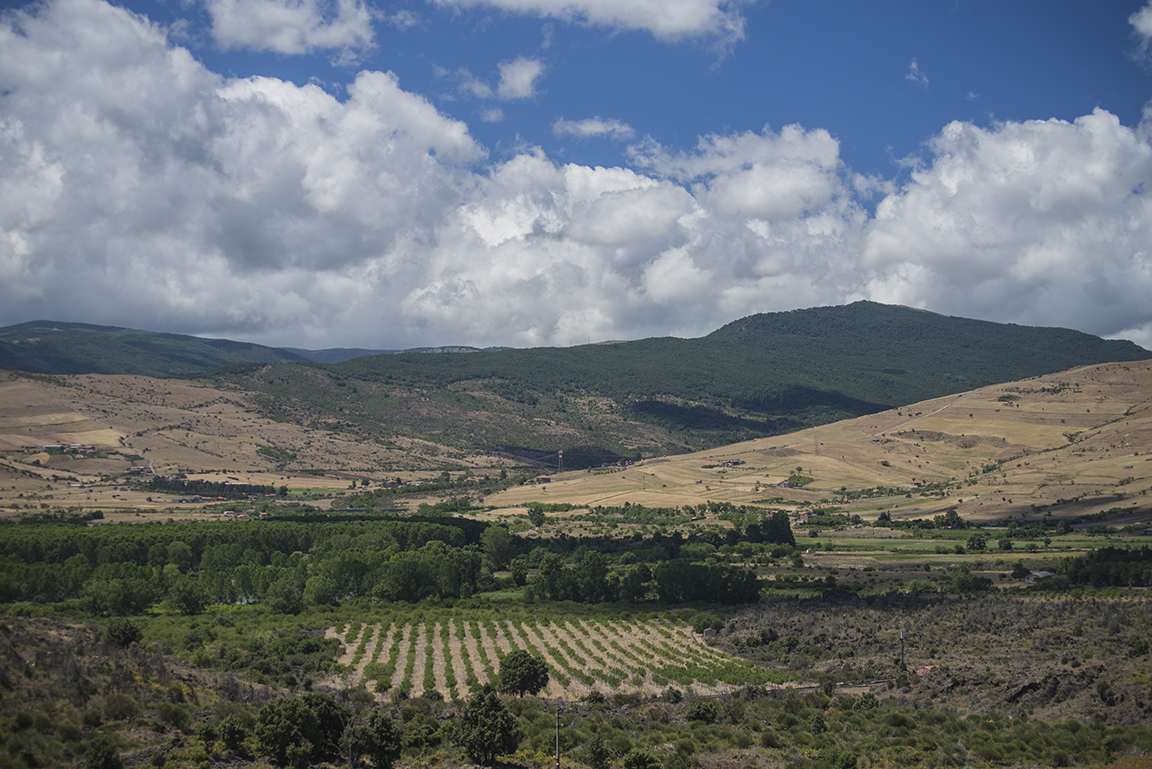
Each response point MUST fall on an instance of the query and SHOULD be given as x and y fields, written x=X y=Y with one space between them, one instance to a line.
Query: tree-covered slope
x=762 y=375
x=51 y=347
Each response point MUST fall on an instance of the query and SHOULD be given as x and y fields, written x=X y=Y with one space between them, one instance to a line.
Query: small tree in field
x=522 y=672
x=487 y=729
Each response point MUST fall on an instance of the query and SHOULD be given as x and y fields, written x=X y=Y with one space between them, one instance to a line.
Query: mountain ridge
x=765 y=374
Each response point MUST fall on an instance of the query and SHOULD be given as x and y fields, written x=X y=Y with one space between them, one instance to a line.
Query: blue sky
x=323 y=173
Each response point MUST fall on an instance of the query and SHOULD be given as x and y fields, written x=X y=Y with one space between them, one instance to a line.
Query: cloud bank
x=138 y=188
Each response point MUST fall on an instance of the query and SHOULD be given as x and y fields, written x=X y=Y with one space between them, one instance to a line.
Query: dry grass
x=1108 y=410
x=1073 y=443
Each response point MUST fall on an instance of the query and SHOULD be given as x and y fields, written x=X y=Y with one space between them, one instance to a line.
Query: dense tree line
x=1110 y=567
x=124 y=569
x=289 y=565
x=204 y=488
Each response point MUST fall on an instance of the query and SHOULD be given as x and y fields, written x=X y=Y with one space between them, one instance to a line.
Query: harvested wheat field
x=454 y=653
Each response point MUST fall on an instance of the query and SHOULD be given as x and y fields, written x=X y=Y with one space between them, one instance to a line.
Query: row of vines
x=453 y=653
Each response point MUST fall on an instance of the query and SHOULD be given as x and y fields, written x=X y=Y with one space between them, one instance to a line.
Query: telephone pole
x=559 y=710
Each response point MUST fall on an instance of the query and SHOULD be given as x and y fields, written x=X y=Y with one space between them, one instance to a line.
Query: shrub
x=232 y=732
x=69 y=732
x=596 y=753
x=657 y=713
x=703 y=710
x=102 y=754
x=639 y=758
x=124 y=631
x=174 y=715
x=120 y=707
x=836 y=757
x=625 y=699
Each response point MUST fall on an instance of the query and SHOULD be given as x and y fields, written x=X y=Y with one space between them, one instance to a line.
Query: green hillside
x=762 y=375
x=51 y=347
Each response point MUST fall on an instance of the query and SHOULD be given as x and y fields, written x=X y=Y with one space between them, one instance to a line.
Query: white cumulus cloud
x=294 y=26
x=1037 y=222
x=1141 y=21
x=139 y=188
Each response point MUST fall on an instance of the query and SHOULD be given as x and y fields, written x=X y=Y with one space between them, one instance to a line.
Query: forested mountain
x=51 y=347
x=762 y=375
x=54 y=347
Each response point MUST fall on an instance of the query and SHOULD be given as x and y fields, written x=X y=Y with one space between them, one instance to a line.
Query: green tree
x=977 y=541
x=486 y=728
x=180 y=556
x=188 y=595
x=102 y=754
x=498 y=545
x=964 y=581
x=519 y=569
x=596 y=753
x=778 y=529
x=639 y=758
x=299 y=729
x=378 y=738
x=286 y=595
x=522 y=672
x=320 y=590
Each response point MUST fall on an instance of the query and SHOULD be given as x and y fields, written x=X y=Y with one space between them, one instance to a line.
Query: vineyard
x=454 y=652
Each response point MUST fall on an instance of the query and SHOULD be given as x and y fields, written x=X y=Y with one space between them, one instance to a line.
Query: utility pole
x=902 y=668
x=559 y=710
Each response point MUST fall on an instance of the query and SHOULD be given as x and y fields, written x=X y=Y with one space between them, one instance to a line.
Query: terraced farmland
x=454 y=652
